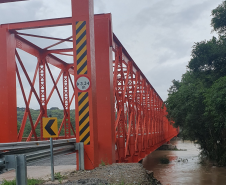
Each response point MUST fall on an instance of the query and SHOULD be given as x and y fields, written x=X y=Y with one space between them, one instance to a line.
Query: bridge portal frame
x=127 y=116
x=100 y=104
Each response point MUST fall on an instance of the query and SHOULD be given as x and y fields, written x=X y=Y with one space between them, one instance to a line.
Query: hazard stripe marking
x=81 y=47
x=84 y=127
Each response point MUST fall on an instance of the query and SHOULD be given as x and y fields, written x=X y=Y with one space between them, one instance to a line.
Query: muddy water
x=184 y=167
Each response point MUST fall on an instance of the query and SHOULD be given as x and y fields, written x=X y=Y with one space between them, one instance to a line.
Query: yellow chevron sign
x=50 y=127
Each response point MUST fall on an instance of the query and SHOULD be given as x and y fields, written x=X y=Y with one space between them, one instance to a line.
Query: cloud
x=19 y=11
x=162 y=75
x=158 y=34
x=99 y=6
x=54 y=9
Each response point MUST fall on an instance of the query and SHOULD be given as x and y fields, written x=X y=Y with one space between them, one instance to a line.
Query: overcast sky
x=158 y=34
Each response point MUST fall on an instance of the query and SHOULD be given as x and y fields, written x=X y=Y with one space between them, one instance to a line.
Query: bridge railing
x=141 y=125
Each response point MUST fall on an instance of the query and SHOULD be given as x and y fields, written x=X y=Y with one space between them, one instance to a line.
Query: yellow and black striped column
x=81 y=47
x=83 y=97
x=84 y=128
x=85 y=79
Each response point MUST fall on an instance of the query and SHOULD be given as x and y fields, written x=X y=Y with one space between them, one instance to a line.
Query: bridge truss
x=121 y=118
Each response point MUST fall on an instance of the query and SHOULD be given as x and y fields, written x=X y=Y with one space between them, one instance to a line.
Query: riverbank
x=124 y=173
x=184 y=167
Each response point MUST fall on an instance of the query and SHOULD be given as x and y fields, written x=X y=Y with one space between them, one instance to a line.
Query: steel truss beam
x=67 y=121
x=38 y=24
x=9 y=1
x=139 y=124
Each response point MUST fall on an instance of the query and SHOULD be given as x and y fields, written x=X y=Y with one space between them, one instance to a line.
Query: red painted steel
x=8 y=1
x=84 y=11
x=67 y=122
x=104 y=85
x=26 y=104
x=8 y=112
x=42 y=91
x=141 y=125
x=127 y=117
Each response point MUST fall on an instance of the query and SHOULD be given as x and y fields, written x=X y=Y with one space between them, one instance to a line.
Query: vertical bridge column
x=120 y=121
x=104 y=85
x=67 y=121
x=8 y=111
x=85 y=80
x=42 y=91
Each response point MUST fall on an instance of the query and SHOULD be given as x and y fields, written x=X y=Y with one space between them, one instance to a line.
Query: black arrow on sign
x=48 y=127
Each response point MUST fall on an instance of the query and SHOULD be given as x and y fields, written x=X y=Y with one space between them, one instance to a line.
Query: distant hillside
x=53 y=112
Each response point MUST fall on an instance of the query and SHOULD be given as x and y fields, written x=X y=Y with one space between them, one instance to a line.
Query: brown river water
x=184 y=167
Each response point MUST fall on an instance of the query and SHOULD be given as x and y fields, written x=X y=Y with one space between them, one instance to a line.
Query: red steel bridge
x=119 y=115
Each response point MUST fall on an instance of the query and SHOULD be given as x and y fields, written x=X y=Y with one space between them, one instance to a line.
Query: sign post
x=52 y=159
x=50 y=130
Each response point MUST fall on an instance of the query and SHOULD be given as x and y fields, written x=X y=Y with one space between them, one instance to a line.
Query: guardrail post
x=21 y=170
x=52 y=159
x=80 y=148
x=2 y=165
x=20 y=164
x=1 y=162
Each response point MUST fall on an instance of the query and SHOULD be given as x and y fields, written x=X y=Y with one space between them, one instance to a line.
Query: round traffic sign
x=83 y=83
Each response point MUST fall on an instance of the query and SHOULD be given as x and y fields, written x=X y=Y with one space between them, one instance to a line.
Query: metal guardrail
x=16 y=155
x=32 y=144
x=34 y=150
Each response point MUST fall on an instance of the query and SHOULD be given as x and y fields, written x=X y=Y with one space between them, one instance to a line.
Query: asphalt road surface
x=66 y=159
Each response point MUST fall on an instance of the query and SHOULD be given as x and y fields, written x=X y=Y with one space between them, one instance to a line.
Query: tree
x=54 y=112
x=219 y=16
x=215 y=111
x=197 y=103
x=209 y=59
x=186 y=105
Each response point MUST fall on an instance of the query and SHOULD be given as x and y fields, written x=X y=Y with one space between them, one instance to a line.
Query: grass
x=122 y=183
x=102 y=163
x=59 y=177
x=5 y=182
x=29 y=182
x=164 y=160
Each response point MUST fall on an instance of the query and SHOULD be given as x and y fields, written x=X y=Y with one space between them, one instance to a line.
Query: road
x=41 y=168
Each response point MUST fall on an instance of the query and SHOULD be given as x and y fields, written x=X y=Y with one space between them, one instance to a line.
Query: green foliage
x=219 y=16
x=209 y=59
x=102 y=163
x=215 y=110
x=29 y=182
x=12 y=182
x=53 y=112
x=198 y=102
x=59 y=177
